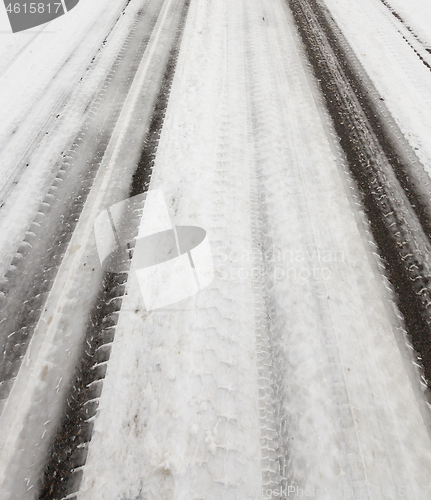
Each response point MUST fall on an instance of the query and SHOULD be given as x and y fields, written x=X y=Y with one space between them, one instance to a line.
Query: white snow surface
x=244 y=154
x=247 y=151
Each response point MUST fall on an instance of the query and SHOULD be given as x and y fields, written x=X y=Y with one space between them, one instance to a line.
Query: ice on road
x=290 y=375
x=292 y=353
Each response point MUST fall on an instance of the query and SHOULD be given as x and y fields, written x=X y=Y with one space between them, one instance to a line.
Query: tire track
x=33 y=270
x=409 y=36
x=406 y=166
x=400 y=19
x=64 y=468
x=395 y=205
x=15 y=141
x=278 y=464
x=198 y=358
x=273 y=420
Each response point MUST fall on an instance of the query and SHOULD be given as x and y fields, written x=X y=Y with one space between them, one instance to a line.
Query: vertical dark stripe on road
x=398 y=214
x=27 y=284
x=64 y=468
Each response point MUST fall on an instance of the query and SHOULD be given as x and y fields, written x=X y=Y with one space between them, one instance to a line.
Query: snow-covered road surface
x=274 y=186
x=291 y=375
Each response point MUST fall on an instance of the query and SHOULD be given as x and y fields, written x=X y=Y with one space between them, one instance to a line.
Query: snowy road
x=292 y=374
